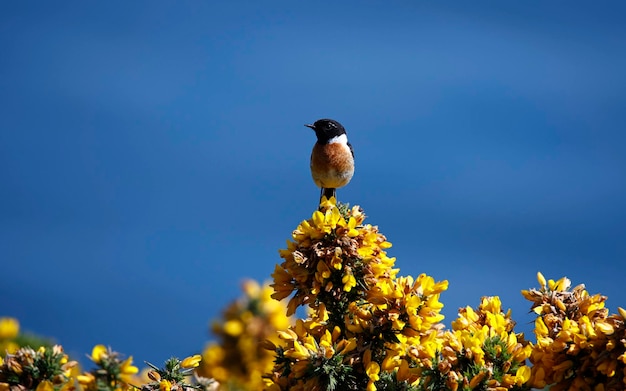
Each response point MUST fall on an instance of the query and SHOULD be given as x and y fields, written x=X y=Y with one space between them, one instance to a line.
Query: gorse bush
x=366 y=328
x=371 y=329
x=238 y=358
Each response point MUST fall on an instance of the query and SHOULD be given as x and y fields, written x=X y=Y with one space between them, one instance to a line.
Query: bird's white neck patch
x=341 y=139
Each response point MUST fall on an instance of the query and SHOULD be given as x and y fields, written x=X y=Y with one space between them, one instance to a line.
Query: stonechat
x=332 y=159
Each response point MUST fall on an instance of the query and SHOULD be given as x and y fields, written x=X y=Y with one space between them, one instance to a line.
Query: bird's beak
x=310 y=126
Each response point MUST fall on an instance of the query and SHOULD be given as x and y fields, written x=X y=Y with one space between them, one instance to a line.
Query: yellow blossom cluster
x=238 y=360
x=112 y=373
x=44 y=369
x=482 y=351
x=580 y=346
x=367 y=328
x=49 y=369
x=327 y=255
x=173 y=376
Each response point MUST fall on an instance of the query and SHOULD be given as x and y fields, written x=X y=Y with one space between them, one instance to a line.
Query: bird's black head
x=326 y=129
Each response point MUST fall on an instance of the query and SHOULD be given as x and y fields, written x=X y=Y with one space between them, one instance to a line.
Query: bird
x=332 y=158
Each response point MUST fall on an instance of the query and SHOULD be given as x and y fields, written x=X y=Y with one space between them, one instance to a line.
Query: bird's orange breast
x=332 y=165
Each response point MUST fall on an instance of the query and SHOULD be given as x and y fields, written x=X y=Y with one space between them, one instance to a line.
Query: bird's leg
x=329 y=192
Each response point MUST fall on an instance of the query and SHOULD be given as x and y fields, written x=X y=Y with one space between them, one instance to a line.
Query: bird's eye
x=331 y=125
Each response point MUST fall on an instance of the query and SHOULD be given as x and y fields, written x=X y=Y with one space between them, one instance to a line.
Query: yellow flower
x=347 y=347
x=165 y=385
x=326 y=203
x=349 y=282
x=10 y=347
x=540 y=327
x=605 y=328
x=86 y=379
x=372 y=370
x=477 y=379
x=127 y=367
x=251 y=288
x=9 y=328
x=561 y=285
x=98 y=353
x=299 y=352
x=233 y=327
x=191 y=361
x=45 y=385
x=542 y=280
x=522 y=375
x=283 y=284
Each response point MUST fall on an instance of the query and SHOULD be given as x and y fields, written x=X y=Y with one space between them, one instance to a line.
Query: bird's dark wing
x=351 y=149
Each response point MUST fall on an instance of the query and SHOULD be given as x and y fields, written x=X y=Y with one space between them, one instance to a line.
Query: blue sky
x=153 y=154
